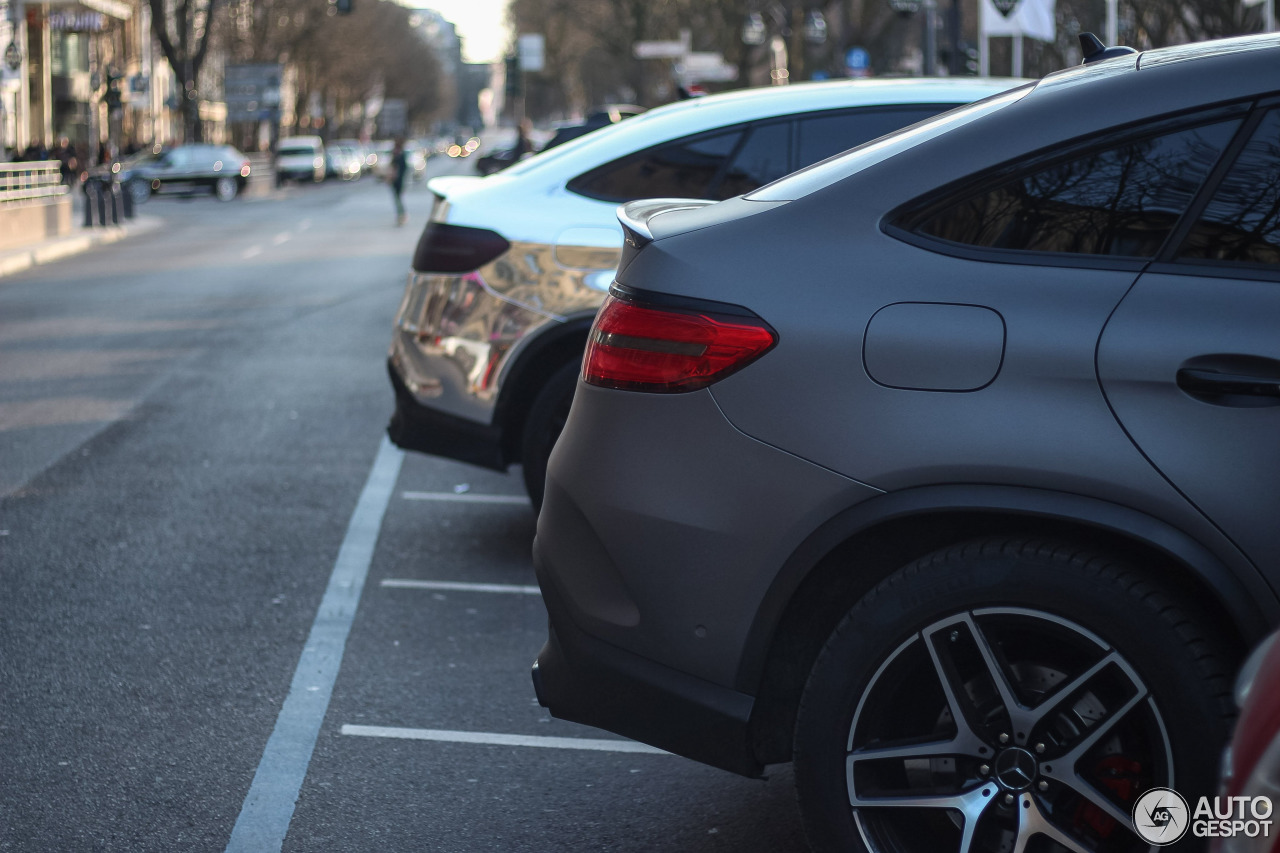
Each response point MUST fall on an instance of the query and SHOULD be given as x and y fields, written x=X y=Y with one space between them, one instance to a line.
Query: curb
x=18 y=260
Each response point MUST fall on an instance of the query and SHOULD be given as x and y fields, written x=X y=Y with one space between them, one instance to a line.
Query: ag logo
x=1160 y=816
x=1005 y=7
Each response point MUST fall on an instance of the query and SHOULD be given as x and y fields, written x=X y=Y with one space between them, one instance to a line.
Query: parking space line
x=465 y=498
x=497 y=739
x=457 y=586
x=268 y=808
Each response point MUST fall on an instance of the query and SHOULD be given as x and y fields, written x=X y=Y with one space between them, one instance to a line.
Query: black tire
x=139 y=190
x=226 y=188
x=546 y=419
x=1116 y=688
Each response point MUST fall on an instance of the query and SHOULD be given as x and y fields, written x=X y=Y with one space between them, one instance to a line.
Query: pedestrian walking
x=395 y=177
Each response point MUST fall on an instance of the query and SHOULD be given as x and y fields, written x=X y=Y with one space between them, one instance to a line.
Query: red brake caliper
x=1120 y=776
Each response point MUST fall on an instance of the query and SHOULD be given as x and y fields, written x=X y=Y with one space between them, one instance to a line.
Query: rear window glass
x=1119 y=201
x=823 y=136
x=764 y=157
x=686 y=168
x=1241 y=223
x=828 y=172
x=296 y=149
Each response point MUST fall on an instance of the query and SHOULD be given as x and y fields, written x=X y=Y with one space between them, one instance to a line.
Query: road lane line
x=497 y=739
x=280 y=238
x=465 y=498
x=268 y=809
x=456 y=586
x=251 y=252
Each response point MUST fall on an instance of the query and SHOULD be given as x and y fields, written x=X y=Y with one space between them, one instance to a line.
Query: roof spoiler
x=1095 y=51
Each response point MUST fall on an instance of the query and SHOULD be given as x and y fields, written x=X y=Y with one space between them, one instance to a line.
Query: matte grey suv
x=948 y=468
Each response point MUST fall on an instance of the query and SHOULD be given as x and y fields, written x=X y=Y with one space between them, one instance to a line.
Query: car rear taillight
x=637 y=346
x=456 y=248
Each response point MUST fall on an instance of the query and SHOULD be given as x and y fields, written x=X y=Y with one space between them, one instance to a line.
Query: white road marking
x=283 y=237
x=456 y=586
x=251 y=252
x=268 y=808
x=498 y=739
x=466 y=498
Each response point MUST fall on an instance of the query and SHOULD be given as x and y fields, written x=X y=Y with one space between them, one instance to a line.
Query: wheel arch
x=539 y=359
x=815 y=588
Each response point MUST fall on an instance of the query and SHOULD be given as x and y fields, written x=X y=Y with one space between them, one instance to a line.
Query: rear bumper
x=661 y=535
x=581 y=679
x=416 y=427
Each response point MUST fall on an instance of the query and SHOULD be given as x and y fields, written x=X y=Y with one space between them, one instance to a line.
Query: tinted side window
x=825 y=136
x=686 y=168
x=763 y=158
x=1242 y=221
x=1121 y=201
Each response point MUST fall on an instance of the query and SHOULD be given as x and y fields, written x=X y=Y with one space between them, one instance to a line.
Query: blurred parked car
x=946 y=467
x=417 y=161
x=300 y=158
x=185 y=170
x=603 y=117
x=343 y=162
x=512 y=267
x=361 y=150
x=380 y=157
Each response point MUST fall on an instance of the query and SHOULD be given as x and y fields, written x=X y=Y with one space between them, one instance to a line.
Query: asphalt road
x=233 y=618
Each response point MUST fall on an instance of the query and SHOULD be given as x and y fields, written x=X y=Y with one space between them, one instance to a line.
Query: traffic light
x=112 y=97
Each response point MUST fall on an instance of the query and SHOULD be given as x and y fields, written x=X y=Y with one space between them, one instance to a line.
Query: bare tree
x=183 y=28
x=344 y=61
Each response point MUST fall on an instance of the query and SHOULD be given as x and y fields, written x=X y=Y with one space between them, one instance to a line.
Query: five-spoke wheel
x=1029 y=695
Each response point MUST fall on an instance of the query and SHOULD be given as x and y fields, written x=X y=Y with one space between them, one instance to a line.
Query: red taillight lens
x=638 y=347
x=456 y=248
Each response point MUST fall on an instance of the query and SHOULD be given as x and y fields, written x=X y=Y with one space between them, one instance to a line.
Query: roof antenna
x=1095 y=51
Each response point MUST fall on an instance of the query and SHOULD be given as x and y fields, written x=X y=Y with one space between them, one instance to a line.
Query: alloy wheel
x=225 y=188
x=1004 y=729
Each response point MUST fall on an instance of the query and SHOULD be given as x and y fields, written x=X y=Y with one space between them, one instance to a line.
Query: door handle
x=1211 y=385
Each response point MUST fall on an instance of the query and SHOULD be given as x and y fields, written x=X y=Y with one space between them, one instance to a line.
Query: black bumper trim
x=415 y=427
x=584 y=680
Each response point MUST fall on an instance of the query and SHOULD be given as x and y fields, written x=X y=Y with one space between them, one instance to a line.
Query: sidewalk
x=80 y=239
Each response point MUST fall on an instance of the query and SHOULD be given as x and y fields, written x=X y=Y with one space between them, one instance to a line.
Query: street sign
x=659 y=49
x=1005 y=7
x=13 y=56
x=857 y=62
x=252 y=91
x=706 y=68
x=532 y=50
x=393 y=118
x=664 y=49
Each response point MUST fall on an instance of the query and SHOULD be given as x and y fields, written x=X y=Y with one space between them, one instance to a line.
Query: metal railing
x=30 y=180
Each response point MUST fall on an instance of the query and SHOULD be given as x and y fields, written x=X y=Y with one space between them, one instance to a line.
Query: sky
x=479 y=22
